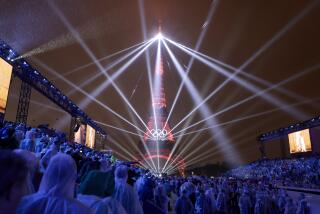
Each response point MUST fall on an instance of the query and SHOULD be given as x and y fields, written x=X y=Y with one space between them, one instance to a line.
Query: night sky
x=237 y=30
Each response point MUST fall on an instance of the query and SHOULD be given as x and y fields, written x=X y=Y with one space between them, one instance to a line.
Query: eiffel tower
x=158 y=138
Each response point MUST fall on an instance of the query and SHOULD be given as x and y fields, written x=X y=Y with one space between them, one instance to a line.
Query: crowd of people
x=43 y=173
x=303 y=172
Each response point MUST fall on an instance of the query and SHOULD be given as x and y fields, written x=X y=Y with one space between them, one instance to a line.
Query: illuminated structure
x=32 y=77
x=158 y=139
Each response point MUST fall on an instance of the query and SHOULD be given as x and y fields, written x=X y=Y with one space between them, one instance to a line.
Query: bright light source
x=159 y=36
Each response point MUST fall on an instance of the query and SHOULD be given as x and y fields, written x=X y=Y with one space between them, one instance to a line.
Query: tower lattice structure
x=158 y=137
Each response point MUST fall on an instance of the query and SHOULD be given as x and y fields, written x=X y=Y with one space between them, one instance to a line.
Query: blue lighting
x=28 y=74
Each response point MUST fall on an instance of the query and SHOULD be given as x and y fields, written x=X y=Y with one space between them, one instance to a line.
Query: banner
x=5 y=77
x=90 y=137
x=300 y=141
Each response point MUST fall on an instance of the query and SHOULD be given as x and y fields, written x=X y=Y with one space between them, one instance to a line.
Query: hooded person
x=260 y=206
x=8 y=139
x=106 y=205
x=56 y=192
x=161 y=198
x=290 y=207
x=145 y=187
x=99 y=182
x=28 y=142
x=281 y=202
x=210 y=194
x=203 y=203
x=87 y=165
x=96 y=191
x=125 y=193
x=221 y=202
x=13 y=181
x=303 y=207
x=33 y=166
x=40 y=143
x=172 y=196
x=183 y=204
x=19 y=135
x=245 y=202
x=52 y=151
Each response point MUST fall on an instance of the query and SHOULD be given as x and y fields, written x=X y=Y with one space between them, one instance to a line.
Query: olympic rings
x=158 y=133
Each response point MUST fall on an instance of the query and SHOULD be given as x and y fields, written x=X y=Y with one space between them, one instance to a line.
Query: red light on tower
x=158 y=129
x=158 y=139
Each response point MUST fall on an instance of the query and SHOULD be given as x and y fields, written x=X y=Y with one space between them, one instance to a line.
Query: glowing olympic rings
x=158 y=133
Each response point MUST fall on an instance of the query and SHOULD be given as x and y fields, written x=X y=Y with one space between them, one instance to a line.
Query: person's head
x=53 y=146
x=30 y=158
x=105 y=165
x=19 y=135
x=13 y=180
x=187 y=188
x=11 y=132
x=160 y=191
x=121 y=173
x=145 y=189
x=56 y=140
x=29 y=135
x=59 y=177
x=43 y=139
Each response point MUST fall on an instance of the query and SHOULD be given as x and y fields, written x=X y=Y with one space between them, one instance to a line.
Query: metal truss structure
x=31 y=76
x=275 y=134
x=23 y=105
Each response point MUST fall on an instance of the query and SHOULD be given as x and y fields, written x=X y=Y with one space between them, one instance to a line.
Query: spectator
x=56 y=192
x=13 y=181
x=184 y=204
x=99 y=182
x=161 y=198
x=28 y=143
x=245 y=202
x=125 y=193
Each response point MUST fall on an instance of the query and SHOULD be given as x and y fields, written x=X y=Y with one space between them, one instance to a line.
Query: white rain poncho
x=52 y=151
x=95 y=203
x=56 y=190
x=28 y=143
x=161 y=198
x=33 y=166
x=124 y=193
x=106 y=206
x=245 y=203
x=210 y=194
x=114 y=206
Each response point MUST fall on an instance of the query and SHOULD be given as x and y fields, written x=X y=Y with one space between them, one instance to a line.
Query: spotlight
x=159 y=36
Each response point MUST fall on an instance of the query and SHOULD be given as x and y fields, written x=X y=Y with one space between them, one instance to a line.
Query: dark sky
x=238 y=29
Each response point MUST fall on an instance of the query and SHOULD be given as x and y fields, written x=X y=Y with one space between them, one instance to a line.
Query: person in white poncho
x=56 y=192
x=125 y=193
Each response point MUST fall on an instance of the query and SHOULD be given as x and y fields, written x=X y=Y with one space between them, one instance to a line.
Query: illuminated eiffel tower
x=158 y=138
